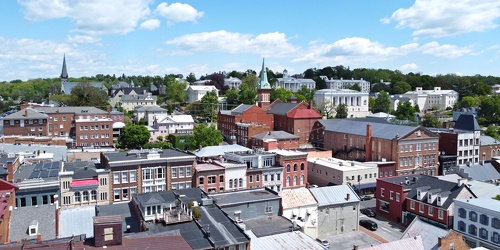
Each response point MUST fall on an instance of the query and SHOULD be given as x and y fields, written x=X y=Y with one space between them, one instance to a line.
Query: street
x=388 y=230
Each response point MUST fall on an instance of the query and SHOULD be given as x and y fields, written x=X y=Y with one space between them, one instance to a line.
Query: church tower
x=64 y=75
x=263 y=90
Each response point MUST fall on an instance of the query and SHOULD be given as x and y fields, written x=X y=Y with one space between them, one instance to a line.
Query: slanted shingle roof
x=428 y=232
x=305 y=114
x=278 y=135
x=22 y=217
x=281 y=108
x=27 y=113
x=467 y=122
x=446 y=188
x=379 y=130
x=240 y=109
x=480 y=172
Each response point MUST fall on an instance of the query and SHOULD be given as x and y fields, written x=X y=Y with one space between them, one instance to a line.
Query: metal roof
x=379 y=130
x=243 y=196
x=480 y=172
x=414 y=243
x=467 y=122
x=212 y=151
x=76 y=221
x=295 y=240
x=278 y=135
x=281 y=108
x=240 y=109
x=333 y=195
x=428 y=232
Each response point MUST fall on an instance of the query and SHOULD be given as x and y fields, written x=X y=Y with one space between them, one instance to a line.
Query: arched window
x=461 y=213
x=230 y=183
x=483 y=233
x=302 y=166
x=241 y=182
x=288 y=168
x=472 y=229
x=495 y=223
x=288 y=181
x=461 y=226
x=295 y=180
x=492 y=153
x=93 y=195
x=483 y=219
x=295 y=167
x=85 y=195
x=473 y=216
x=301 y=180
x=77 y=197
x=496 y=237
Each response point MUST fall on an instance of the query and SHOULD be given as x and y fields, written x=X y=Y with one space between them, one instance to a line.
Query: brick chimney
x=39 y=238
x=368 y=145
x=310 y=104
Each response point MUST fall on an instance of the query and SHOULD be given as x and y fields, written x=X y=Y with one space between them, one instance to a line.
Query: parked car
x=369 y=224
x=368 y=212
x=324 y=243
x=365 y=197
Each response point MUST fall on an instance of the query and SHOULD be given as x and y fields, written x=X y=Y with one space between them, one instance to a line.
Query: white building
x=357 y=102
x=346 y=84
x=232 y=82
x=235 y=175
x=324 y=171
x=299 y=206
x=147 y=113
x=337 y=212
x=397 y=99
x=195 y=93
x=436 y=98
x=479 y=222
x=294 y=84
x=172 y=124
x=129 y=103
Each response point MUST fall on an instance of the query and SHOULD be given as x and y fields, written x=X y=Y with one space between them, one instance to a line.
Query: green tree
x=355 y=87
x=382 y=103
x=405 y=111
x=326 y=108
x=492 y=131
x=209 y=103
x=308 y=93
x=341 y=111
x=497 y=197
x=481 y=88
x=191 y=78
x=232 y=96
x=280 y=93
x=84 y=94
x=248 y=93
x=134 y=136
x=430 y=120
x=176 y=91
x=401 y=87
x=206 y=135
x=467 y=102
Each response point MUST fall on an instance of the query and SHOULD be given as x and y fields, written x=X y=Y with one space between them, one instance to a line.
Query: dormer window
x=418 y=194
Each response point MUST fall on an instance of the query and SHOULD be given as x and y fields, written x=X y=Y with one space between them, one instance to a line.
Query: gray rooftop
x=429 y=233
x=334 y=195
x=467 y=122
x=488 y=140
x=223 y=231
x=126 y=211
x=77 y=221
x=278 y=135
x=58 y=151
x=76 y=110
x=266 y=226
x=155 y=108
x=281 y=108
x=379 y=130
x=244 y=196
x=450 y=189
x=22 y=217
x=480 y=172
x=213 y=151
x=288 y=240
x=27 y=113
x=44 y=170
x=132 y=155
x=240 y=109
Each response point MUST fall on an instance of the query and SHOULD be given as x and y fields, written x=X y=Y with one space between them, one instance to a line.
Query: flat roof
x=342 y=165
x=243 y=196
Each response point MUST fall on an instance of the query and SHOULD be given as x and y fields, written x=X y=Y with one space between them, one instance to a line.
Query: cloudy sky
x=147 y=37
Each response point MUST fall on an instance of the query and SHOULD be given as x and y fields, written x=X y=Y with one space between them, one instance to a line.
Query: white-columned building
x=294 y=84
x=195 y=93
x=479 y=221
x=232 y=82
x=357 y=102
x=346 y=84
x=437 y=98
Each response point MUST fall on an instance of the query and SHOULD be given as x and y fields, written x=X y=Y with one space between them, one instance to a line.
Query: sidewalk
x=373 y=235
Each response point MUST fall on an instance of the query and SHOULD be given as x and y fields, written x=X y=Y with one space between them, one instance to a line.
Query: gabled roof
x=413 y=243
x=76 y=221
x=334 y=195
x=428 y=232
x=26 y=113
x=22 y=217
x=488 y=140
x=379 y=130
x=480 y=172
x=304 y=113
x=240 y=109
x=152 y=108
x=450 y=189
x=281 y=108
x=296 y=197
x=83 y=110
x=277 y=135
x=467 y=122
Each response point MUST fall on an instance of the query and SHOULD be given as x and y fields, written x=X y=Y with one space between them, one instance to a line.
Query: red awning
x=87 y=182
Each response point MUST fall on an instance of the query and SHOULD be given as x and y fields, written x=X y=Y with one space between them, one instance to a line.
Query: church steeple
x=264 y=90
x=64 y=73
x=263 y=84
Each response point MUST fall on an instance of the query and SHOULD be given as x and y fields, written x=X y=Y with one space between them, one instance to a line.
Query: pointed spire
x=263 y=84
x=64 y=73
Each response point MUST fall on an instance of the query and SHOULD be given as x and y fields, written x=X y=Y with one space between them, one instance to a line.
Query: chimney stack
x=355 y=247
x=368 y=146
x=348 y=196
x=39 y=238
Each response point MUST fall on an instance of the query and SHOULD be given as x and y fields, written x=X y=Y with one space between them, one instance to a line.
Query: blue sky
x=145 y=37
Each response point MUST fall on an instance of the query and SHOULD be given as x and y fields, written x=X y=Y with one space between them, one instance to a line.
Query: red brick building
x=243 y=122
x=294 y=167
x=414 y=149
x=8 y=200
x=209 y=177
x=275 y=140
x=26 y=122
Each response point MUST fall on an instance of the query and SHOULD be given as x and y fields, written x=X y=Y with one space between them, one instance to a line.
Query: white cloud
x=82 y=39
x=352 y=50
x=447 y=17
x=267 y=45
x=178 y=12
x=91 y=17
x=445 y=50
x=409 y=67
x=150 y=24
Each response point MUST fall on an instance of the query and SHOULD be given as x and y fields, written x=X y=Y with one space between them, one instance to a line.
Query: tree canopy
x=209 y=104
x=405 y=111
x=176 y=91
x=206 y=136
x=341 y=111
x=382 y=103
x=430 y=120
x=134 y=136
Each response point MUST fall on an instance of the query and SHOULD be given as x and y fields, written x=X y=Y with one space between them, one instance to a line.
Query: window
x=93 y=195
x=160 y=173
x=412 y=205
x=391 y=195
x=231 y=183
x=472 y=216
x=483 y=219
x=77 y=197
x=430 y=210
x=288 y=168
x=211 y=179
x=421 y=207
x=496 y=237
x=124 y=177
x=34 y=201
x=461 y=213
x=188 y=171
x=181 y=172
x=269 y=209
x=116 y=178
x=461 y=226
x=495 y=223
x=483 y=233
x=472 y=229
x=440 y=213
x=132 y=175
x=125 y=193
x=146 y=174
x=66 y=200
x=301 y=180
x=302 y=166
x=398 y=197
x=382 y=192
x=257 y=177
x=241 y=182
x=295 y=167
x=221 y=178
x=201 y=180
x=250 y=178
x=174 y=173
x=295 y=180
x=116 y=194
x=45 y=199
x=288 y=181
x=85 y=196
x=384 y=206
